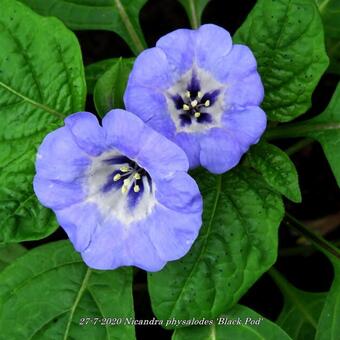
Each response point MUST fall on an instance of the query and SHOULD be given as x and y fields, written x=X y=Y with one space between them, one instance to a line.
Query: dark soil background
x=306 y=269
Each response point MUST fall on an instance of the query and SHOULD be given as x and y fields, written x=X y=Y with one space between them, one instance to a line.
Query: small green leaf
x=330 y=13
x=94 y=71
x=194 y=9
x=9 y=252
x=301 y=310
x=110 y=87
x=276 y=168
x=41 y=81
x=329 y=321
x=287 y=39
x=248 y=325
x=236 y=245
x=119 y=16
x=51 y=290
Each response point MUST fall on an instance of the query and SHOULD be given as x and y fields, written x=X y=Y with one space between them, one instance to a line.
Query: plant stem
x=194 y=18
x=317 y=240
x=298 y=146
x=301 y=250
x=301 y=129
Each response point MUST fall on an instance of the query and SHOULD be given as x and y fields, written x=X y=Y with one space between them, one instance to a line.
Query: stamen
x=124 y=169
x=137 y=176
x=194 y=103
x=186 y=107
x=197 y=114
x=207 y=103
x=117 y=177
x=199 y=95
x=124 y=189
x=126 y=181
x=188 y=94
x=136 y=188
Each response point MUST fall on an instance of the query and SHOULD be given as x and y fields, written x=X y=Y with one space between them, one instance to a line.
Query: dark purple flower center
x=193 y=104
x=128 y=177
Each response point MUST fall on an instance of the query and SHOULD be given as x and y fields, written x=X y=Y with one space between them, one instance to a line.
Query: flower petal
x=152 y=70
x=220 y=151
x=87 y=132
x=238 y=122
x=179 y=47
x=151 y=106
x=247 y=91
x=179 y=193
x=126 y=132
x=213 y=43
x=173 y=233
x=114 y=245
x=60 y=158
x=190 y=143
x=80 y=222
x=57 y=194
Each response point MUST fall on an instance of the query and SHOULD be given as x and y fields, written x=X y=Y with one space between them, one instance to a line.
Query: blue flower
x=120 y=191
x=202 y=92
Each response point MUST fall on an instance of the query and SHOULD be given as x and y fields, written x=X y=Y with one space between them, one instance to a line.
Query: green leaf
x=287 y=39
x=236 y=245
x=276 y=168
x=110 y=87
x=301 y=310
x=50 y=290
x=326 y=129
x=119 y=16
x=330 y=13
x=329 y=321
x=194 y=9
x=248 y=325
x=8 y=253
x=94 y=71
x=41 y=81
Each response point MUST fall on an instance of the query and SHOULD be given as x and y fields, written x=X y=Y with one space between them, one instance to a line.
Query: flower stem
x=194 y=20
x=300 y=129
x=317 y=240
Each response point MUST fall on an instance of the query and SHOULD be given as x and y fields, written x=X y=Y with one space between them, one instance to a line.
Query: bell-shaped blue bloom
x=120 y=191
x=202 y=92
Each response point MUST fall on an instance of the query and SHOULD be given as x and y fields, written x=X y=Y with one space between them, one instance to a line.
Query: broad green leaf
x=276 y=168
x=329 y=321
x=41 y=81
x=119 y=16
x=287 y=39
x=301 y=310
x=94 y=71
x=50 y=290
x=194 y=9
x=8 y=253
x=248 y=325
x=110 y=87
x=330 y=13
x=236 y=245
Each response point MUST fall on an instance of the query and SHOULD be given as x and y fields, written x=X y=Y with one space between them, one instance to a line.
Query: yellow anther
x=124 y=169
x=136 y=188
x=186 y=107
x=194 y=103
x=126 y=181
x=124 y=189
x=188 y=94
x=137 y=176
x=199 y=94
x=197 y=114
x=117 y=177
x=207 y=103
